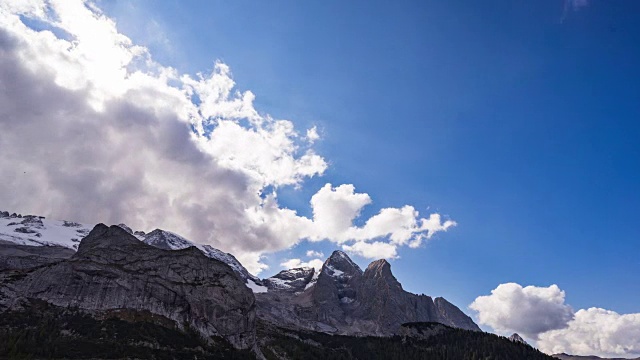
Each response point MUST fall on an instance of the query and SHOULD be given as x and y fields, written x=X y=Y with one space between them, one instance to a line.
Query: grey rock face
x=346 y=300
x=167 y=240
x=451 y=315
x=112 y=271
x=17 y=257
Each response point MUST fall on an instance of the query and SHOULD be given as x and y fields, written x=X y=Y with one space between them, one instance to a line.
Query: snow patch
x=37 y=231
x=334 y=272
x=255 y=287
x=279 y=283
x=313 y=280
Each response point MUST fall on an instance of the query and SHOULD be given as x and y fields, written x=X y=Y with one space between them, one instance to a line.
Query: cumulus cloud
x=94 y=130
x=297 y=263
x=529 y=311
x=541 y=314
x=312 y=135
x=335 y=209
x=313 y=253
x=595 y=332
x=373 y=250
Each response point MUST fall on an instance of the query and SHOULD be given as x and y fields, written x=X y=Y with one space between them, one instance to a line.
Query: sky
x=488 y=149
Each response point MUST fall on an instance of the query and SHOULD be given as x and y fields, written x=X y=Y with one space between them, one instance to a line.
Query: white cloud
x=34 y=8
x=529 y=311
x=312 y=135
x=595 y=332
x=297 y=263
x=540 y=313
x=334 y=210
x=374 y=250
x=94 y=130
x=313 y=253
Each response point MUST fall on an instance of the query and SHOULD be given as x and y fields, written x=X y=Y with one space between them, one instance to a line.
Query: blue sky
x=516 y=119
x=519 y=122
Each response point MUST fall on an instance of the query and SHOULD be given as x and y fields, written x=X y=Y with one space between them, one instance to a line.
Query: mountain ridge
x=120 y=279
x=339 y=298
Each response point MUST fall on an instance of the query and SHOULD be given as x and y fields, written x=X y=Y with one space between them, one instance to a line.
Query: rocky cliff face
x=114 y=273
x=343 y=299
x=14 y=256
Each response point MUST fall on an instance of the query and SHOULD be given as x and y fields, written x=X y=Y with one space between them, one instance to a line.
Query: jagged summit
x=379 y=268
x=341 y=262
x=343 y=299
x=379 y=272
x=339 y=254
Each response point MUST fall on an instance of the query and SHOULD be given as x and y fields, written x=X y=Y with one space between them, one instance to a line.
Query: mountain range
x=61 y=269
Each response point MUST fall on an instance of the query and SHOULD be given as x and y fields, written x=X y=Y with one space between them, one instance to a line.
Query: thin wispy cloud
x=573 y=5
x=576 y=4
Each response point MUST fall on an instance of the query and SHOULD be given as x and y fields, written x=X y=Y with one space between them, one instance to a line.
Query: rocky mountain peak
x=103 y=237
x=517 y=338
x=380 y=271
x=379 y=268
x=340 y=263
x=166 y=240
x=126 y=228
